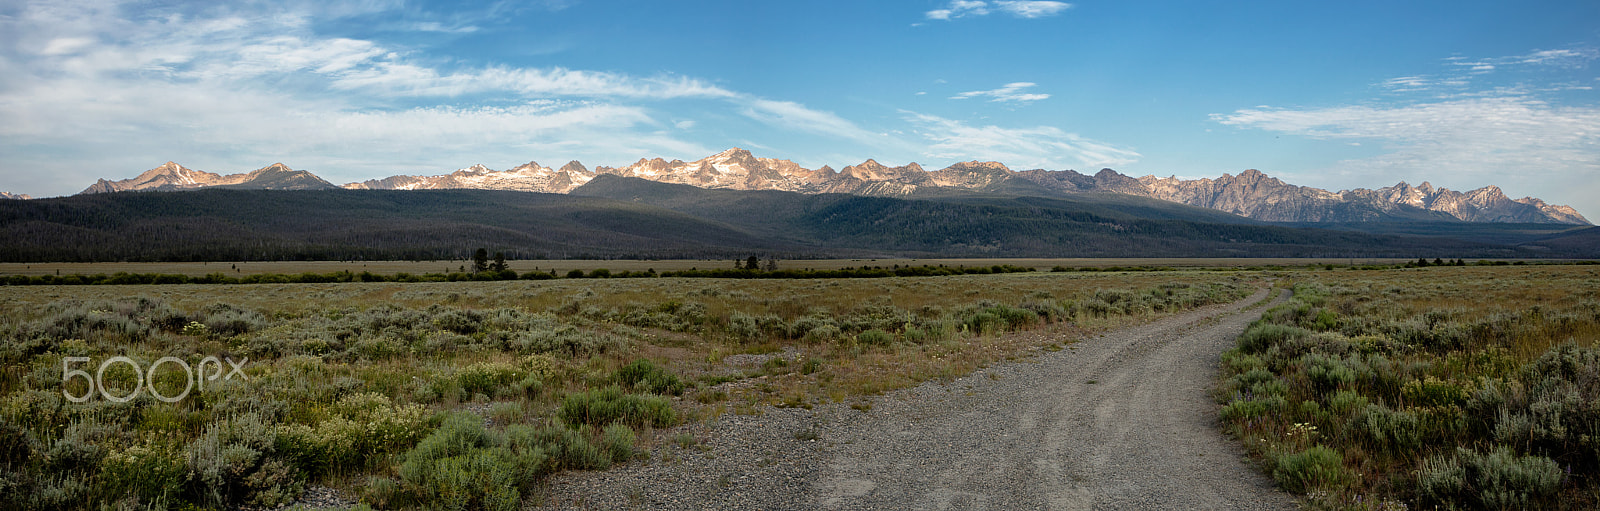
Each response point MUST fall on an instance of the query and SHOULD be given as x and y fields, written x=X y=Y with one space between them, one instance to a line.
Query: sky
x=1336 y=95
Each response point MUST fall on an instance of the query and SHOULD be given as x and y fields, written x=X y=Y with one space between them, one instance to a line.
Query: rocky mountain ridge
x=172 y=176
x=9 y=195
x=1251 y=193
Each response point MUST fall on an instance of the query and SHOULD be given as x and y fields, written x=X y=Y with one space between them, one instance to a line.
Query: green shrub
x=1262 y=335
x=233 y=463
x=1432 y=391
x=1347 y=402
x=1049 y=311
x=643 y=376
x=1328 y=373
x=744 y=326
x=988 y=318
x=488 y=378
x=150 y=473
x=462 y=466
x=1393 y=430
x=1245 y=409
x=875 y=337
x=602 y=407
x=1236 y=362
x=1497 y=480
x=1315 y=468
x=565 y=448
x=564 y=340
x=822 y=333
x=618 y=440
x=1252 y=378
x=811 y=365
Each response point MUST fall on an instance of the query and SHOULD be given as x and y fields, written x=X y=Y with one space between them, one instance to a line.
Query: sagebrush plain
x=468 y=394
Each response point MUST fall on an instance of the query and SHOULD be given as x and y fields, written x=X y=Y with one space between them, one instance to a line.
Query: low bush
x=1315 y=468
x=875 y=337
x=462 y=466
x=1497 y=480
x=610 y=405
x=643 y=376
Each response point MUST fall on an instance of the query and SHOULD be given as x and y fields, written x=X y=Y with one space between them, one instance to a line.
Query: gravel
x=1120 y=421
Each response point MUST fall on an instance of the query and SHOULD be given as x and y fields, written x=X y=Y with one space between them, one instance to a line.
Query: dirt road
x=1121 y=421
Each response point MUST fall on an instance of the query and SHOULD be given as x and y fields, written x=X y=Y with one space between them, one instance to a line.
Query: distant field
x=392 y=267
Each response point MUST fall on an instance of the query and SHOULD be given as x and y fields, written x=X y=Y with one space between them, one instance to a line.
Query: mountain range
x=635 y=218
x=1250 y=194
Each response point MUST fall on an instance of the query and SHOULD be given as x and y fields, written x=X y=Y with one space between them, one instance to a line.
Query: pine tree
x=753 y=263
x=480 y=260
x=499 y=262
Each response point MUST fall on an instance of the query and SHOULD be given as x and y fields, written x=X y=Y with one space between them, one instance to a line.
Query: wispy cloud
x=1475 y=122
x=1037 y=147
x=1031 y=9
x=1462 y=74
x=434 y=26
x=797 y=116
x=1476 y=139
x=229 y=89
x=1010 y=93
x=1018 y=8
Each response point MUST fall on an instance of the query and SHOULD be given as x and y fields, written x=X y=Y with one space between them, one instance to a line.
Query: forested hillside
x=632 y=218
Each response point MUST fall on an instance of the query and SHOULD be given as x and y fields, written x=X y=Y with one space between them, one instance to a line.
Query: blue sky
x=1333 y=94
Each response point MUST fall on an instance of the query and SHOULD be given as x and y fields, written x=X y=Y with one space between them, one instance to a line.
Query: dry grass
x=562 y=266
x=514 y=351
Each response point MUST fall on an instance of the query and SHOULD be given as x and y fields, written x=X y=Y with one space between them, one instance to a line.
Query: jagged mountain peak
x=1251 y=193
x=574 y=166
x=981 y=165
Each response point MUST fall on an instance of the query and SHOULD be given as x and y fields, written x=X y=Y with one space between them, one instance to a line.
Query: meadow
x=1427 y=388
x=561 y=266
x=464 y=395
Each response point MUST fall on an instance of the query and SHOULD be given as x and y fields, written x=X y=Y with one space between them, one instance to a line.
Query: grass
x=1447 y=387
x=368 y=386
x=561 y=266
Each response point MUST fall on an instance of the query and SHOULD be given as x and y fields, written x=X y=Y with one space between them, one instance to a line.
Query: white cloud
x=1462 y=74
x=1017 y=8
x=406 y=79
x=231 y=90
x=1406 y=83
x=1482 y=140
x=434 y=26
x=1041 y=147
x=66 y=45
x=1011 y=92
x=1032 y=9
x=1565 y=57
x=797 y=116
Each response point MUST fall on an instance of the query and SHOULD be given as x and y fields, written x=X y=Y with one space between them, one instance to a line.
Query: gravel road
x=1120 y=421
